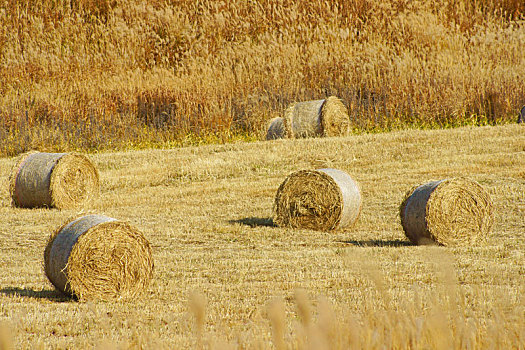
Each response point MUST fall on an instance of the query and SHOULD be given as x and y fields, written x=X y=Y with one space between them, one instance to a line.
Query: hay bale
x=287 y=120
x=98 y=257
x=276 y=129
x=60 y=180
x=328 y=117
x=448 y=212
x=305 y=119
x=335 y=119
x=323 y=199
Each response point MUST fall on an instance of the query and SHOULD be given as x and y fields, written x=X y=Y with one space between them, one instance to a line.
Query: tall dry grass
x=94 y=74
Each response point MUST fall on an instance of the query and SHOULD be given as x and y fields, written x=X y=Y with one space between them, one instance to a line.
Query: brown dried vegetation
x=94 y=74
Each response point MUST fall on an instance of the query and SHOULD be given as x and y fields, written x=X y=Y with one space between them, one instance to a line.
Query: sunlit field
x=171 y=101
x=130 y=74
x=227 y=278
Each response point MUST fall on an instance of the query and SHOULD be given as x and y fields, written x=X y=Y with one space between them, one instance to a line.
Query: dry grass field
x=226 y=278
x=118 y=74
x=114 y=77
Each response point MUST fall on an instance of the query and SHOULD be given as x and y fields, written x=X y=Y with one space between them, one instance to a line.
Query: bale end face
x=334 y=118
x=74 y=182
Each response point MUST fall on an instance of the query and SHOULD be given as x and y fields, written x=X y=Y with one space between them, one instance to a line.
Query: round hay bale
x=60 y=180
x=323 y=199
x=449 y=212
x=305 y=119
x=328 y=117
x=98 y=257
x=276 y=129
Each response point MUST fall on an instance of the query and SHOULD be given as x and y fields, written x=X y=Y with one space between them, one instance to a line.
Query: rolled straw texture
x=323 y=199
x=334 y=118
x=98 y=257
x=287 y=120
x=317 y=118
x=305 y=119
x=449 y=212
x=276 y=129
x=60 y=180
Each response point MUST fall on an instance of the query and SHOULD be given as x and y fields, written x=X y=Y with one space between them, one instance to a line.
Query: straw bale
x=287 y=119
x=448 y=212
x=276 y=129
x=323 y=199
x=60 y=180
x=334 y=118
x=305 y=119
x=317 y=118
x=98 y=257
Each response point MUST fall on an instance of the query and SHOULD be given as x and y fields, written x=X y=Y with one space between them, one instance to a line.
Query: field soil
x=226 y=277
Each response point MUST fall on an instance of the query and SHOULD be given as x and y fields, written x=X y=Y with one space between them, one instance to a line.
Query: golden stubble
x=207 y=212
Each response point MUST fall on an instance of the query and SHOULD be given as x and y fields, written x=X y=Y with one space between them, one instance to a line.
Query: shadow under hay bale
x=323 y=199
x=317 y=118
x=51 y=294
x=254 y=222
x=98 y=257
x=395 y=243
x=448 y=212
x=60 y=180
x=276 y=129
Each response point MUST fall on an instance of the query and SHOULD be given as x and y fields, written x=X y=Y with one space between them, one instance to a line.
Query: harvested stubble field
x=225 y=277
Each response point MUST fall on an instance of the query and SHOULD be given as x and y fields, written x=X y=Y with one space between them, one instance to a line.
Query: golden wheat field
x=226 y=278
